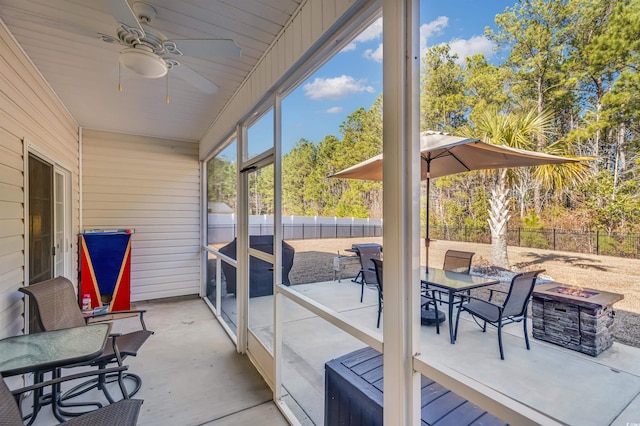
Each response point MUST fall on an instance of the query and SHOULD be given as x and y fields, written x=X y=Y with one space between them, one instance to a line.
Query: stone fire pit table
x=574 y=317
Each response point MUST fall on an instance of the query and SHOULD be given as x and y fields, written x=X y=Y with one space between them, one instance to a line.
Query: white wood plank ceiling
x=61 y=37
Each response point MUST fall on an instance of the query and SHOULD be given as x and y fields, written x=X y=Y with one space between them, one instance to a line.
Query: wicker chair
x=121 y=413
x=57 y=307
x=513 y=309
x=378 y=267
x=367 y=252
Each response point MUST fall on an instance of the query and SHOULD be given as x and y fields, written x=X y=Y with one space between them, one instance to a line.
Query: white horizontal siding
x=29 y=110
x=153 y=186
x=305 y=29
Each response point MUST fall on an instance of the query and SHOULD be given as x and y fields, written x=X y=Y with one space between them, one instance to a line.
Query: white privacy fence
x=223 y=227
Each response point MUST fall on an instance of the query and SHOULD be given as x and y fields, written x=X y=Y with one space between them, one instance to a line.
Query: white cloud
x=429 y=29
x=462 y=47
x=375 y=55
x=349 y=47
x=335 y=88
x=434 y=27
x=372 y=32
x=333 y=110
x=472 y=46
x=459 y=46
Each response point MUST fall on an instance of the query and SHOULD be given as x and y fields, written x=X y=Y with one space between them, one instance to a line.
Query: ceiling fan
x=150 y=54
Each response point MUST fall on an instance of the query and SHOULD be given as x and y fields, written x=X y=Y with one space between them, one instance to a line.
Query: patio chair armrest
x=113 y=313
x=495 y=290
x=111 y=316
x=478 y=299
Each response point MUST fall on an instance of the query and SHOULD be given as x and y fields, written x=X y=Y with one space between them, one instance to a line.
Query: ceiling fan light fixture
x=145 y=64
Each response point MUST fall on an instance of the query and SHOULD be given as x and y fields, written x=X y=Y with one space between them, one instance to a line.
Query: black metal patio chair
x=513 y=309
x=367 y=252
x=57 y=307
x=121 y=413
x=454 y=261
x=378 y=268
x=457 y=261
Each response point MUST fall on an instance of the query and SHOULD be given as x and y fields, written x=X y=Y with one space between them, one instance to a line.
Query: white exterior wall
x=153 y=186
x=305 y=29
x=30 y=112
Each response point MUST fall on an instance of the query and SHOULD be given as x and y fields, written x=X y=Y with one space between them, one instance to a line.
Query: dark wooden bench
x=353 y=396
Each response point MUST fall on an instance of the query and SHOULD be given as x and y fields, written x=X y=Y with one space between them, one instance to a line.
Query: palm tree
x=524 y=131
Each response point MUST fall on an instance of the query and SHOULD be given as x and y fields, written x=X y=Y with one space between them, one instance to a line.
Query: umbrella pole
x=426 y=239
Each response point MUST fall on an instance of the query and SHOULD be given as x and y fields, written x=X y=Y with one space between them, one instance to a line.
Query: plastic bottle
x=86 y=302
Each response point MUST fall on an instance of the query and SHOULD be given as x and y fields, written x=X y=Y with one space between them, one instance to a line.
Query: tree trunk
x=596 y=142
x=537 y=197
x=622 y=148
x=598 y=135
x=498 y=219
x=620 y=160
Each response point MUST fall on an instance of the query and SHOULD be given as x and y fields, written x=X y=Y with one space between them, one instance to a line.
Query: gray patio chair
x=366 y=252
x=260 y=272
x=56 y=307
x=454 y=261
x=513 y=309
x=121 y=413
x=378 y=267
x=457 y=261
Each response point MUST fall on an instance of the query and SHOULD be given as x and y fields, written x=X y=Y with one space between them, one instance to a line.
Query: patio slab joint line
x=236 y=412
x=631 y=401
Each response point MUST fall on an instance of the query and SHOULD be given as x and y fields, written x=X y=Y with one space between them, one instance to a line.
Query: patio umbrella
x=444 y=154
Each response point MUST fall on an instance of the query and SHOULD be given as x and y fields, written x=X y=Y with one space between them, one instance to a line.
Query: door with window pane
x=41 y=225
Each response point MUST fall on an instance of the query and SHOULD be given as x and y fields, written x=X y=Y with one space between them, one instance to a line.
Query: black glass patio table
x=42 y=352
x=451 y=283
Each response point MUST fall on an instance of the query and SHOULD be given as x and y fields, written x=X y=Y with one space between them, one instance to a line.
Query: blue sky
x=353 y=78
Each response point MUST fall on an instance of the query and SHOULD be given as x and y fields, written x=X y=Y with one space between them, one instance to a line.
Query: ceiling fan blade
x=205 y=48
x=13 y=15
x=195 y=79
x=122 y=12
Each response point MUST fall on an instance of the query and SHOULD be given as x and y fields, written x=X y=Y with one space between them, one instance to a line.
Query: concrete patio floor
x=570 y=386
x=193 y=376
x=191 y=372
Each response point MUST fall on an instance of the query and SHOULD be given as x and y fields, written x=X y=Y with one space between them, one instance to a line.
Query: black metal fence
x=620 y=245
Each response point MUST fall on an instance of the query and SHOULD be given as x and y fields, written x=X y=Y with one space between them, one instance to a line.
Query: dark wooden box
x=353 y=396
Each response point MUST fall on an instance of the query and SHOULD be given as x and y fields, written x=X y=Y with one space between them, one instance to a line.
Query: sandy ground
x=313 y=262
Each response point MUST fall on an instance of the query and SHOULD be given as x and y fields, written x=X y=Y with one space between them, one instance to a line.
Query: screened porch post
x=277 y=250
x=401 y=201
x=242 y=245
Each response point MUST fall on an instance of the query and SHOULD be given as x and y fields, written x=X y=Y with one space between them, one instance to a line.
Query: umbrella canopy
x=446 y=155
